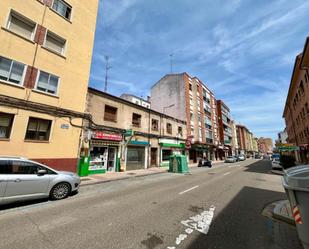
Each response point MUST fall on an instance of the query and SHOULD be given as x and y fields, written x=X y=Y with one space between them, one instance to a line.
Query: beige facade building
x=45 y=57
x=296 y=111
x=136 y=136
x=188 y=98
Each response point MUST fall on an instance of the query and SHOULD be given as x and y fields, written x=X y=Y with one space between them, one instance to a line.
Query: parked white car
x=22 y=179
x=230 y=159
x=275 y=164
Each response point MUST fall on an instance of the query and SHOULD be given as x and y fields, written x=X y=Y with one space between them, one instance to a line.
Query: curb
x=284 y=218
x=272 y=211
x=119 y=179
x=277 y=172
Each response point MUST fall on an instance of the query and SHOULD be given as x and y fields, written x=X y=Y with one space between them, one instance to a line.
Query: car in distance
x=22 y=179
x=204 y=162
x=230 y=159
x=241 y=158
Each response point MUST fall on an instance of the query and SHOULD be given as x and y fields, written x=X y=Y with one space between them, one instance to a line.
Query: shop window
x=166 y=155
x=169 y=128
x=155 y=124
x=38 y=129
x=21 y=25
x=136 y=120
x=47 y=83
x=11 y=71
x=62 y=8
x=6 y=121
x=55 y=42
x=180 y=130
x=110 y=113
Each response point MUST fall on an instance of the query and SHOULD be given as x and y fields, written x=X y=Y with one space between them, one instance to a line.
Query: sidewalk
x=114 y=176
x=281 y=211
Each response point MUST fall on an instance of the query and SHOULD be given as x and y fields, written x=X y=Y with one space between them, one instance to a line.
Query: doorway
x=153 y=158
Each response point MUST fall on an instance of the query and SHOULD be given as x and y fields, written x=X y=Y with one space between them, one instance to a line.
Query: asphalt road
x=209 y=208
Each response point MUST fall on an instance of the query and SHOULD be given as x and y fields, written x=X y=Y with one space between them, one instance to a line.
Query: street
x=209 y=208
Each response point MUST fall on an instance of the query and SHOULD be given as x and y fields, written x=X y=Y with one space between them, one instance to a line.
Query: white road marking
x=200 y=223
x=188 y=190
x=227 y=173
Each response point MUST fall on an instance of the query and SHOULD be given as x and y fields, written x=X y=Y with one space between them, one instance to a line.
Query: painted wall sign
x=106 y=136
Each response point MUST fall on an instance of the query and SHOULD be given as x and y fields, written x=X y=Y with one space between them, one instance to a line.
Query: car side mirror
x=42 y=172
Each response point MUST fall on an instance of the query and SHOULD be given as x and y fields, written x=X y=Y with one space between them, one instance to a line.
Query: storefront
x=104 y=149
x=136 y=155
x=198 y=151
x=170 y=147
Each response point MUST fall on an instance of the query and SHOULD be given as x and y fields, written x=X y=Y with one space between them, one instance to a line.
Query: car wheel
x=60 y=191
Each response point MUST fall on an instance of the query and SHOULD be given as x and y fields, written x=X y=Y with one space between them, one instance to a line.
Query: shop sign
x=106 y=136
x=129 y=133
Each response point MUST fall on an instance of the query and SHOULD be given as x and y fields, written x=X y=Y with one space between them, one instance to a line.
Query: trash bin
x=296 y=185
x=178 y=164
x=83 y=166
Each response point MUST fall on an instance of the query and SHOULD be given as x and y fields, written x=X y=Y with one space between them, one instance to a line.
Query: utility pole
x=171 y=61
x=107 y=67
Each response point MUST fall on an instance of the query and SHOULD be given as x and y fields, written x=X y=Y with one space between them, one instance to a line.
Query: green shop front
x=104 y=150
x=170 y=147
x=136 y=155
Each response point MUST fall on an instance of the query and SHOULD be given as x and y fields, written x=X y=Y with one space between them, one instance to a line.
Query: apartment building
x=45 y=56
x=265 y=145
x=234 y=144
x=296 y=110
x=225 y=129
x=135 y=136
x=188 y=98
x=136 y=100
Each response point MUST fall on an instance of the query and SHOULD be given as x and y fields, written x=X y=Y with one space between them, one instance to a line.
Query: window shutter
x=30 y=77
x=40 y=35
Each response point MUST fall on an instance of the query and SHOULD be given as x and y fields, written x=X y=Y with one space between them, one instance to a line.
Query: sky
x=243 y=50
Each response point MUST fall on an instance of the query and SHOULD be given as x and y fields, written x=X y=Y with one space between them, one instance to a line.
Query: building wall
x=96 y=102
x=73 y=69
x=170 y=90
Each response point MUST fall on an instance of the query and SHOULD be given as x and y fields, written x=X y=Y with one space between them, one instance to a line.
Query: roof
x=305 y=58
x=131 y=95
x=126 y=102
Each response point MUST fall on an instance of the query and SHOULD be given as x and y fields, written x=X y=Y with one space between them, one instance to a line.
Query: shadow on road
x=241 y=225
x=261 y=166
x=29 y=203
x=22 y=204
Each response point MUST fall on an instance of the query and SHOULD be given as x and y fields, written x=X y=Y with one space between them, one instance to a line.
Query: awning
x=182 y=146
x=102 y=143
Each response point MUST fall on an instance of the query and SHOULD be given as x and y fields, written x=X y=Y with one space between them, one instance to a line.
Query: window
x=180 y=130
x=190 y=87
x=6 y=121
x=154 y=124
x=62 y=8
x=110 y=113
x=38 y=129
x=47 y=83
x=166 y=155
x=169 y=128
x=11 y=71
x=136 y=120
x=21 y=25
x=55 y=43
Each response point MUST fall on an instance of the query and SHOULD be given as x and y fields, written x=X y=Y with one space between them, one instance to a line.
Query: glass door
x=111 y=159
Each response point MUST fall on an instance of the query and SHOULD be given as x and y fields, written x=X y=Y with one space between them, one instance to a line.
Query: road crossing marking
x=200 y=223
x=188 y=190
x=227 y=173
